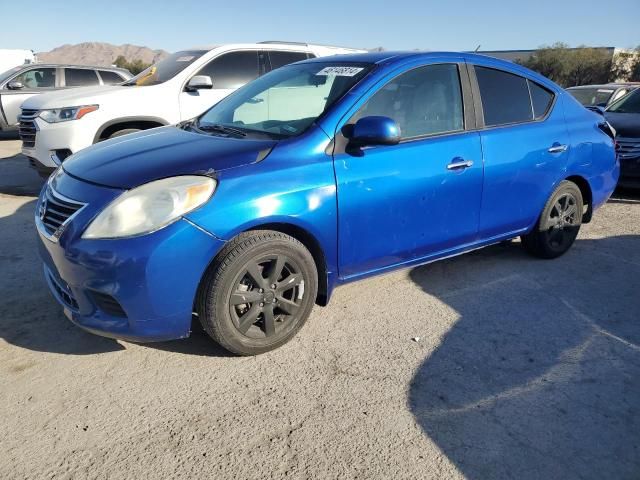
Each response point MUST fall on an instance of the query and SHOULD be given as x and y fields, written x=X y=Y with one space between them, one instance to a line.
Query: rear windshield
x=627 y=104
x=166 y=69
x=592 y=96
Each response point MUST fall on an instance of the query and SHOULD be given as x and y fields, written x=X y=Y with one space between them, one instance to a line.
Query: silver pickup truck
x=20 y=83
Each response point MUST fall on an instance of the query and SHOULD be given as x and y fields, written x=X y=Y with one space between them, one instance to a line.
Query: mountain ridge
x=100 y=54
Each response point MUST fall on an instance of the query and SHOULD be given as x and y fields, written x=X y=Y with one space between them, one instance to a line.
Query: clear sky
x=393 y=24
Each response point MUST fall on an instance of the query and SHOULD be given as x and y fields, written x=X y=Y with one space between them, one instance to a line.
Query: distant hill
x=103 y=54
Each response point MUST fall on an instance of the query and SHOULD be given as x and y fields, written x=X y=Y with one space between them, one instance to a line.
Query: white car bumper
x=53 y=141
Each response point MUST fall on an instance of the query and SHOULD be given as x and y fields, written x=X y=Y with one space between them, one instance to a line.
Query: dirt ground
x=523 y=369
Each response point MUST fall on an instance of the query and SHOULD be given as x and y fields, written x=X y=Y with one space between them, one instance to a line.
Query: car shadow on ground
x=540 y=375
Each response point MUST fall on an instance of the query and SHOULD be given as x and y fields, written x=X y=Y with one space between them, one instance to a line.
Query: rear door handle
x=459 y=164
x=557 y=148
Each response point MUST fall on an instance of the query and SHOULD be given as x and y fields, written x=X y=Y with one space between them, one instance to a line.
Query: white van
x=56 y=125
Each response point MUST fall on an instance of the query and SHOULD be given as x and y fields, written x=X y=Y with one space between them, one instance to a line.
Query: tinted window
x=627 y=104
x=591 y=96
x=279 y=59
x=110 y=78
x=424 y=101
x=80 y=77
x=232 y=70
x=505 y=97
x=166 y=69
x=37 y=78
x=541 y=98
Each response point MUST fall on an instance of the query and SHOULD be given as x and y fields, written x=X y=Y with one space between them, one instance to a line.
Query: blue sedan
x=314 y=175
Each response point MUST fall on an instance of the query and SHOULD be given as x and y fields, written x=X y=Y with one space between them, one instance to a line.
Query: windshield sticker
x=184 y=59
x=340 y=71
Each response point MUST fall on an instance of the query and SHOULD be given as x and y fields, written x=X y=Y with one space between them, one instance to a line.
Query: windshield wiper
x=215 y=127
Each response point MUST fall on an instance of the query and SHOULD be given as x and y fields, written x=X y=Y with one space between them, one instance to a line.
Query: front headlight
x=151 y=206
x=55 y=115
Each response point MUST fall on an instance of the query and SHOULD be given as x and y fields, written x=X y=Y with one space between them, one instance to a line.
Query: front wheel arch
x=139 y=123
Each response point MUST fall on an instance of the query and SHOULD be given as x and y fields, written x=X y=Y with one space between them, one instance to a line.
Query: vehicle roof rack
x=304 y=44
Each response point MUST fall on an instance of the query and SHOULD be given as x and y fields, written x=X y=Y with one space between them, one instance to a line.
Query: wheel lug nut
x=273 y=285
x=274 y=300
x=261 y=304
x=260 y=290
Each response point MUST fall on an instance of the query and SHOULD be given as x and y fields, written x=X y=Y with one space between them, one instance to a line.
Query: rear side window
x=110 y=78
x=423 y=101
x=541 y=99
x=232 y=70
x=279 y=59
x=505 y=97
x=80 y=77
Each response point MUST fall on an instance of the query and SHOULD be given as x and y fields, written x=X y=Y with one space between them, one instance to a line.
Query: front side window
x=280 y=59
x=232 y=70
x=505 y=97
x=80 y=77
x=285 y=102
x=423 y=101
x=627 y=104
x=165 y=69
x=37 y=78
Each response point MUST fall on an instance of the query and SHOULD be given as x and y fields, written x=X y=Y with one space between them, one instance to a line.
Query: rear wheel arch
x=137 y=123
x=587 y=195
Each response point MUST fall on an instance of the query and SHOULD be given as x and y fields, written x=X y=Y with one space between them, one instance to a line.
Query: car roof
x=607 y=85
x=70 y=65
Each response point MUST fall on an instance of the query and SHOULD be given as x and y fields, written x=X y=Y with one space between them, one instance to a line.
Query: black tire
x=248 y=315
x=559 y=223
x=124 y=131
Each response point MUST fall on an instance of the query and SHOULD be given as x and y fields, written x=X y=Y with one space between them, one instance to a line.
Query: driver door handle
x=458 y=164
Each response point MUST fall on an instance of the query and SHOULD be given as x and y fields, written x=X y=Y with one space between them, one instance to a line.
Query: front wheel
x=258 y=293
x=559 y=223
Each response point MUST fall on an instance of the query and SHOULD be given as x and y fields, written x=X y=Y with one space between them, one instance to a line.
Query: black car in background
x=601 y=95
x=624 y=116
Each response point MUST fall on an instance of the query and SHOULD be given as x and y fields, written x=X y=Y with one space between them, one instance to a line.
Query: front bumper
x=55 y=140
x=150 y=282
x=629 y=172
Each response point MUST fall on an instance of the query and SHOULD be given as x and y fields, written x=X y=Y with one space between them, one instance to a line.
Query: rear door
x=402 y=203
x=34 y=80
x=525 y=144
x=228 y=72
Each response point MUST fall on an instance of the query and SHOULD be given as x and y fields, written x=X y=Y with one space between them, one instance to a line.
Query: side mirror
x=375 y=131
x=199 y=82
x=15 y=85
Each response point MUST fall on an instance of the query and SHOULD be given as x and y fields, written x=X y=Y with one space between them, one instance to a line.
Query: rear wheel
x=258 y=293
x=559 y=223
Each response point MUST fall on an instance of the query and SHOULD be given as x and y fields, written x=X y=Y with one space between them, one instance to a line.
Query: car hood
x=71 y=97
x=626 y=124
x=132 y=160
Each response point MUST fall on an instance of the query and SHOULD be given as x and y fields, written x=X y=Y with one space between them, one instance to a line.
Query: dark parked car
x=624 y=116
x=601 y=95
x=20 y=83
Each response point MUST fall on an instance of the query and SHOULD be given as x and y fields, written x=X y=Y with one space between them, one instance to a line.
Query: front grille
x=56 y=210
x=628 y=147
x=65 y=295
x=107 y=304
x=27 y=127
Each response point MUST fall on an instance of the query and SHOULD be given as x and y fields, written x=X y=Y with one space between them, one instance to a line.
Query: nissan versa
x=316 y=174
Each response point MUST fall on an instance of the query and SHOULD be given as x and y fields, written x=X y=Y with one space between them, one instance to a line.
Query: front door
x=399 y=204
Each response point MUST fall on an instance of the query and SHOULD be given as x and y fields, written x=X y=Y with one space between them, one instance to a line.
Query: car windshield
x=10 y=73
x=628 y=104
x=592 y=96
x=285 y=102
x=166 y=69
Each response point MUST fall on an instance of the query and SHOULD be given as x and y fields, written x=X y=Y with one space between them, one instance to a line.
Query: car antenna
x=477 y=48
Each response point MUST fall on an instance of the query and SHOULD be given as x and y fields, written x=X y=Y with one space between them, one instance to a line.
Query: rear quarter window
x=110 y=78
x=541 y=99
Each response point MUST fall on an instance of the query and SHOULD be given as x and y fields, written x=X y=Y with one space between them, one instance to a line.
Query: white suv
x=56 y=125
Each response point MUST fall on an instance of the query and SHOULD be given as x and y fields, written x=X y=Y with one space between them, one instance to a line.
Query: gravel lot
x=524 y=369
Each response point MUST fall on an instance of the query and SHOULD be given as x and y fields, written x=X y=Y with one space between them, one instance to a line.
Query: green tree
x=571 y=66
x=135 y=66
